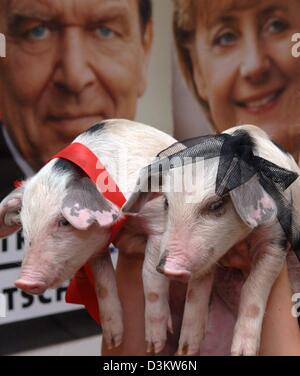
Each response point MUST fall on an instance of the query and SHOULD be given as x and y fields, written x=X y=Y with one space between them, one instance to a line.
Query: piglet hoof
x=156 y=332
x=188 y=349
x=155 y=347
x=245 y=342
x=190 y=340
x=244 y=347
x=112 y=328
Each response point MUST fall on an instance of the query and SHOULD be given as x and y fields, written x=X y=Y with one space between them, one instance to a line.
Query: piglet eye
x=63 y=222
x=217 y=208
x=216 y=205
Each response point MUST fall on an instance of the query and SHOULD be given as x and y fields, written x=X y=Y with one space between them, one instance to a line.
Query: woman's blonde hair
x=184 y=23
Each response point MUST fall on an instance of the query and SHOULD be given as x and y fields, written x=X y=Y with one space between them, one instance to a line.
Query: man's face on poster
x=69 y=64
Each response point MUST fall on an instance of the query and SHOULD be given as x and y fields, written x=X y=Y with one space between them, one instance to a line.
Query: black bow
x=237 y=165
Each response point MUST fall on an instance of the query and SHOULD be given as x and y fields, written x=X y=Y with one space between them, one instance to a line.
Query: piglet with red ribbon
x=70 y=212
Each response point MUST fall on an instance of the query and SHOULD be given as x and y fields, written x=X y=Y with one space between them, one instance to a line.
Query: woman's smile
x=261 y=102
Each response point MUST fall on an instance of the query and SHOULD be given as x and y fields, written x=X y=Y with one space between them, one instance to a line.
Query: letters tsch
x=13 y=297
x=296 y=46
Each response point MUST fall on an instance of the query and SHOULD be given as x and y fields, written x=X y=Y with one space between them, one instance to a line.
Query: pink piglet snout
x=31 y=287
x=173 y=270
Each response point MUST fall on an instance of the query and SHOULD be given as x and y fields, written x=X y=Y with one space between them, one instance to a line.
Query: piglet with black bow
x=238 y=185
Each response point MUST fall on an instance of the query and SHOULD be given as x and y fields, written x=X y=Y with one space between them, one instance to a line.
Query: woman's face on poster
x=244 y=68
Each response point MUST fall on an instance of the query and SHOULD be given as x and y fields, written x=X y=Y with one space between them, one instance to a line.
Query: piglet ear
x=9 y=213
x=253 y=204
x=147 y=188
x=136 y=202
x=84 y=205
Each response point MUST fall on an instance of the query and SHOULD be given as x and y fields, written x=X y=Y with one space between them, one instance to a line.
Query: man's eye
x=38 y=33
x=277 y=26
x=225 y=39
x=105 y=32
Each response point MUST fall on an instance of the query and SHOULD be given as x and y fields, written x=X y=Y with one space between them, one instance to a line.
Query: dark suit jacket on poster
x=9 y=170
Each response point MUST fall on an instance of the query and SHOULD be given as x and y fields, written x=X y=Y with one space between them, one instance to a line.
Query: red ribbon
x=81 y=289
x=17 y=184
